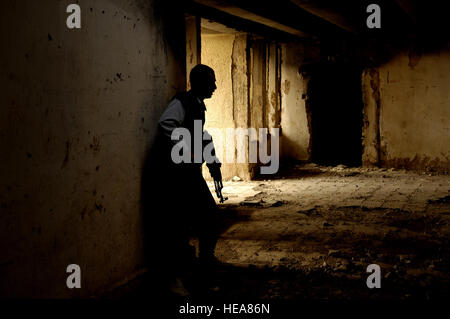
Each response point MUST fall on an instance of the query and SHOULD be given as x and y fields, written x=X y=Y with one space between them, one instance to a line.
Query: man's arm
x=172 y=118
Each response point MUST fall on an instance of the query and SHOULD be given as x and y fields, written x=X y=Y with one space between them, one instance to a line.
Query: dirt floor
x=312 y=233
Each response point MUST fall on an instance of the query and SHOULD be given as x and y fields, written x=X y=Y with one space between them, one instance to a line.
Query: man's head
x=203 y=81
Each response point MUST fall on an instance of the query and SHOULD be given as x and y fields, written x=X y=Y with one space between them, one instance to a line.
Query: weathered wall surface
x=371 y=125
x=294 y=120
x=229 y=106
x=78 y=112
x=407 y=107
x=219 y=52
x=247 y=95
x=193 y=45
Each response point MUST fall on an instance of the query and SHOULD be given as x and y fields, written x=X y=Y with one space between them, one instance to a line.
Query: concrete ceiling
x=211 y=27
x=234 y=8
x=299 y=18
x=323 y=18
x=332 y=11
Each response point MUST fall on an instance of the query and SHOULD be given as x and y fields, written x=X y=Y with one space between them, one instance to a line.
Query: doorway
x=335 y=103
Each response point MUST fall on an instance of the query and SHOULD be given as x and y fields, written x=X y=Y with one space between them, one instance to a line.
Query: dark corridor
x=335 y=103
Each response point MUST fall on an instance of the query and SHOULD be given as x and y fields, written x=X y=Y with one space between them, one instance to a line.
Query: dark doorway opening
x=335 y=103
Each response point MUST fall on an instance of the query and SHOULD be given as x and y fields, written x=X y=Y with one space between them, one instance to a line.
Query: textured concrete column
x=273 y=78
x=193 y=45
x=240 y=82
x=371 y=129
x=294 y=118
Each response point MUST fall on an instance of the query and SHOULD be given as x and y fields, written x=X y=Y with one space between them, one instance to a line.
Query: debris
x=442 y=200
x=333 y=252
x=350 y=174
x=236 y=179
x=252 y=202
x=278 y=203
x=342 y=267
x=308 y=212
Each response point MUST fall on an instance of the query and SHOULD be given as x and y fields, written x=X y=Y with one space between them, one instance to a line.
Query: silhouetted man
x=189 y=203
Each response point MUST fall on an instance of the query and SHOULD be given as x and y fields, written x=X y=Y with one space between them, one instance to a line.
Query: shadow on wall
x=295 y=150
x=155 y=220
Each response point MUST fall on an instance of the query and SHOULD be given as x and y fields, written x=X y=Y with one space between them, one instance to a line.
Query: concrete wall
x=407 y=107
x=193 y=44
x=217 y=52
x=247 y=95
x=229 y=107
x=78 y=112
x=294 y=119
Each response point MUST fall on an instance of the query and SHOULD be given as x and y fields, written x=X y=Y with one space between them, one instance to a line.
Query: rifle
x=214 y=170
x=218 y=185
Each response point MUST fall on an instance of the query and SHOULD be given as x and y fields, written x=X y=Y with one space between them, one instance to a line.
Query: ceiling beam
x=237 y=23
x=234 y=10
